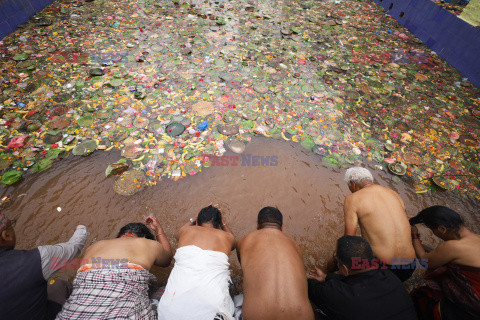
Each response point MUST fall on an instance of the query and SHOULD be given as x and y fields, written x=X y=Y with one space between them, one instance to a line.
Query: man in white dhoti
x=198 y=284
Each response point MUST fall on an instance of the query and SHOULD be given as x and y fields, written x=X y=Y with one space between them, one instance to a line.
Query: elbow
x=167 y=262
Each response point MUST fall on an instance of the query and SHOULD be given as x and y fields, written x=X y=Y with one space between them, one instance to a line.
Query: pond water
x=309 y=195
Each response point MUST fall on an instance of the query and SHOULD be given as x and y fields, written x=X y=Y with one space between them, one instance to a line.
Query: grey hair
x=358 y=174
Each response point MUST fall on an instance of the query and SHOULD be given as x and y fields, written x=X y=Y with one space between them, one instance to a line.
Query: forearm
x=418 y=246
x=54 y=256
x=163 y=240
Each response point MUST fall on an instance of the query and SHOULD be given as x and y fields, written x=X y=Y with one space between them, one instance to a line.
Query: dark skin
x=273 y=276
x=460 y=246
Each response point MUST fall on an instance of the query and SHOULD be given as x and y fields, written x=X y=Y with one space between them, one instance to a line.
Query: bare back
x=206 y=238
x=140 y=251
x=380 y=213
x=274 y=280
x=464 y=251
x=468 y=251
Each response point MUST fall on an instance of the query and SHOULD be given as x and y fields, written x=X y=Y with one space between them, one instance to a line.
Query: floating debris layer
x=170 y=83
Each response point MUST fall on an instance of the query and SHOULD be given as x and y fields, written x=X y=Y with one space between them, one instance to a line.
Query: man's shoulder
x=352 y=196
x=266 y=235
x=248 y=238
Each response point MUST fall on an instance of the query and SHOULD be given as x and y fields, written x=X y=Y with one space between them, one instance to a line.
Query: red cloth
x=458 y=283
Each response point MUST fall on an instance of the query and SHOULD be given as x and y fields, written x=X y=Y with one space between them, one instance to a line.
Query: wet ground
x=309 y=194
x=166 y=82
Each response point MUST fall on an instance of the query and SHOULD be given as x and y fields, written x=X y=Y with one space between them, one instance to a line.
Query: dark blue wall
x=15 y=12
x=453 y=39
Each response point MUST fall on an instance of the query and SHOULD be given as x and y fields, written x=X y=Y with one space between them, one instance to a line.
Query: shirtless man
x=134 y=244
x=113 y=281
x=198 y=286
x=380 y=213
x=274 y=279
x=454 y=267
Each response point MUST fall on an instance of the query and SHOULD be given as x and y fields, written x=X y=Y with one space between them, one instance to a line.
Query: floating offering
x=443 y=182
x=397 y=168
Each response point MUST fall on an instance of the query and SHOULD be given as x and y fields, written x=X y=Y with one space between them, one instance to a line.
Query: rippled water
x=309 y=195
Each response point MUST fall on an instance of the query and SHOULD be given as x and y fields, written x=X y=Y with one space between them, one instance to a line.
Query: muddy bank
x=309 y=195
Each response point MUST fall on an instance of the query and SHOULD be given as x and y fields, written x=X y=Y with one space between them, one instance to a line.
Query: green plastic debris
x=11 y=177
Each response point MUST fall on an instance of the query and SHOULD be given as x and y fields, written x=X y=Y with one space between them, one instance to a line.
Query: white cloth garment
x=238 y=302
x=197 y=287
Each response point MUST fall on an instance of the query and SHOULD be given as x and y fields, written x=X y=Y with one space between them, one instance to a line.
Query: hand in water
x=152 y=223
x=317 y=274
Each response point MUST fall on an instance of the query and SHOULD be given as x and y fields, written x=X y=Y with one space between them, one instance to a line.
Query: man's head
x=444 y=222
x=352 y=250
x=138 y=229
x=7 y=233
x=357 y=177
x=269 y=216
x=211 y=215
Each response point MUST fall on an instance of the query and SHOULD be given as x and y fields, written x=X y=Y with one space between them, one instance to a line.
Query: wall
x=15 y=12
x=451 y=38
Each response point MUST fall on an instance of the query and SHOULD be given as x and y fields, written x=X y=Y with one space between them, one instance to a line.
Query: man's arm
x=164 y=254
x=62 y=252
x=322 y=293
x=164 y=258
x=351 y=218
x=442 y=255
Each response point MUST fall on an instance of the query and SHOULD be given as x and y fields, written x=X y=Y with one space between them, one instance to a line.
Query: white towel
x=197 y=287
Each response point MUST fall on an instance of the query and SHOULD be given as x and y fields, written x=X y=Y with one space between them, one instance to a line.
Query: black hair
x=436 y=216
x=270 y=215
x=210 y=214
x=353 y=247
x=138 y=229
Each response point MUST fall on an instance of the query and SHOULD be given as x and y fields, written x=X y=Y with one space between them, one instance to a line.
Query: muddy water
x=309 y=195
